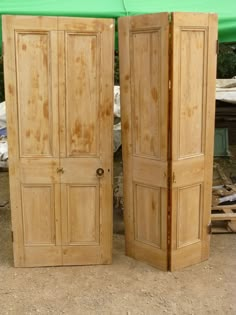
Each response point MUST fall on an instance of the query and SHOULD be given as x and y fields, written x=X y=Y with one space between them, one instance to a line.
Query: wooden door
x=143 y=45
x=194 y=38
x=86 y=126
x=59 y=91
x=167 y=149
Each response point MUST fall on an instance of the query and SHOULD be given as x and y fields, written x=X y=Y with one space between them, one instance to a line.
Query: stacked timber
x=223 y=204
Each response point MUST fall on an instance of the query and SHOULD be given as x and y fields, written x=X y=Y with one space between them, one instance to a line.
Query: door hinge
x=12 y=236
x=169 y=179
x=173 y=178
x=170 y=85
x=217 y=47
x=2 y=48
x=209 y=228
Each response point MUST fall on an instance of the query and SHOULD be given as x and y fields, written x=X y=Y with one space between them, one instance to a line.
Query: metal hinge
x=209 y=228
x=173 y=178
x=169 y=180
x=168 y=177
x=2 y=48
x=169 y=233
x=12 y=236
x=169 y=85
x=217 y=47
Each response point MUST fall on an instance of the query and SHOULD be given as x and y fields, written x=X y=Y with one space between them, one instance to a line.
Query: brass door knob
x=60 y=170
x=100 y=172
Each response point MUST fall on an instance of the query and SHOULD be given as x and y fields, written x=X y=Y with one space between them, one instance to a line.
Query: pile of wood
x=226 y=107
x=223 y=211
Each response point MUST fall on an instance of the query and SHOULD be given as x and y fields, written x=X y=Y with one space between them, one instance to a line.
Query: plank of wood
x=223 y=207
x=223 y=213
x=226 y=180
x=232 y=226
x=3 y=203
x=223 y=216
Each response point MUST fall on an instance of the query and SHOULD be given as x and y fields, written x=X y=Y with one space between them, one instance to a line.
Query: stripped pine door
x=168 y=145
x=58 y=79
x=143 y=44
x=194 y=38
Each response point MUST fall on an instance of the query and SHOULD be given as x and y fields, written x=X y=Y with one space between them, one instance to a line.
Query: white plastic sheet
x=116 y=127
x=3 y=141
x=226 y=90
x=3 y=115
x=117 y=101
x=3 y=150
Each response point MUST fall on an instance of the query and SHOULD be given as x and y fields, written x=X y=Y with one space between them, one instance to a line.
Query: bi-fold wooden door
x=59 y=96
x=168 y=71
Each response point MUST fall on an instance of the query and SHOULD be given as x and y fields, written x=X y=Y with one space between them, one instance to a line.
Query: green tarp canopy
x=226 y=10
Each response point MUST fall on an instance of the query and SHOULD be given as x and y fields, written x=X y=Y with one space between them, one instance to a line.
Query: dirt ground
x=125 y=287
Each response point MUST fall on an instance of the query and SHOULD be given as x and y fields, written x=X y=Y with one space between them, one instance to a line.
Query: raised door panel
x=189 y=215
x=86 y=121
x=31 y=78
x=147 y=215
x=41 y=231
x=33 y=62
x=146 y=74
x=193 y=104
x=143 y=43
x=38 y=215
x=83 y=222
x=82 y=60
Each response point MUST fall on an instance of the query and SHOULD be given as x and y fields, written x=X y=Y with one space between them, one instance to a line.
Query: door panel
x=191 y=105
x=147 y=217
x=189 y=215
x=193 y=86
x=38 y=214
x=143 y=44
x=145 y=71
x=82 y=63
x=83 y=215
x=34 y=92
x=86 y=81
x=41 y=230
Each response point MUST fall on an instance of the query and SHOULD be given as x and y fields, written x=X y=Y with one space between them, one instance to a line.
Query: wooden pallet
x=225 y=214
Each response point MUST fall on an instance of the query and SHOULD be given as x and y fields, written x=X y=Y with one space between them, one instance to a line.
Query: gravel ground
x=125 y=287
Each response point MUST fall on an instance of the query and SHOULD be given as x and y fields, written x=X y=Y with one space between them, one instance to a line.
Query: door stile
x=125 y=86
x=169 y=154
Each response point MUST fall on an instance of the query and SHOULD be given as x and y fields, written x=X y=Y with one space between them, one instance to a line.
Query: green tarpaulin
x=226 y=10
